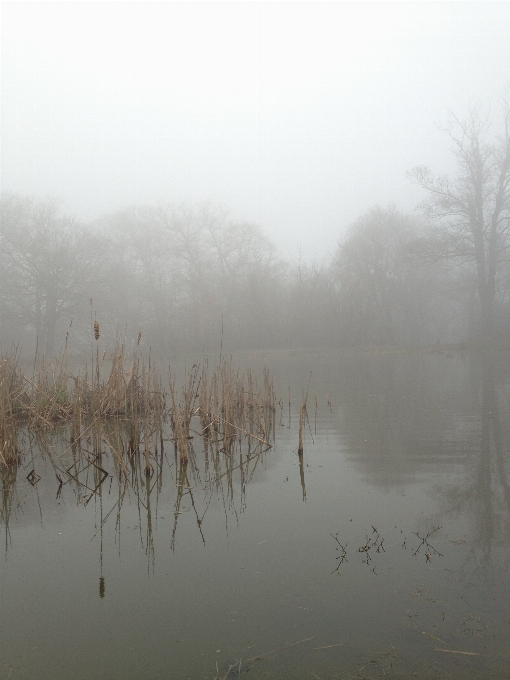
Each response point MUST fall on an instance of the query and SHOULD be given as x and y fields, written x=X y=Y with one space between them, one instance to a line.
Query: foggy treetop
x=297 y=116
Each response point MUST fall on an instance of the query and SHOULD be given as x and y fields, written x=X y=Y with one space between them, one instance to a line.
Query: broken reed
x=232 y=402
x=227 y=403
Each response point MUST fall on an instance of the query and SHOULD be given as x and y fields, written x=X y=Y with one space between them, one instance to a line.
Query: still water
x=383 y=552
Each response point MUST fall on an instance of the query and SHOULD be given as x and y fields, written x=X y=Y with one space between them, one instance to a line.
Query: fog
x=298 y=117
x=244 y=326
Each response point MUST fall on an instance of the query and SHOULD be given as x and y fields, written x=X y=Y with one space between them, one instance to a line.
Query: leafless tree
x=472 y=209
x=177 y=271
x=49 y=266
x=384 y=293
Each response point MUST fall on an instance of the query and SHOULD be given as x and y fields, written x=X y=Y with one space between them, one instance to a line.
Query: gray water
x=385 y=553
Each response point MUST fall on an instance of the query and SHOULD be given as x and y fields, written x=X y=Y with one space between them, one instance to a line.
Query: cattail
x=139 y=338
x=96 y=330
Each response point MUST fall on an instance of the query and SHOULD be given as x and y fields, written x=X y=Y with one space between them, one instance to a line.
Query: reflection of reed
x=181 y=484
x=303 y=415
x=8 y=474
x=302 y=475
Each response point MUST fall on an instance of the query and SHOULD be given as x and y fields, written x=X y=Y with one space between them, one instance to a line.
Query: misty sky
x=297 y=116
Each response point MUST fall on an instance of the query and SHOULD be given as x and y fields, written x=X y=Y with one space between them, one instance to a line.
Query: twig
x=248 y=434
x=340 y=644
x=280 y=649
x=455 y=651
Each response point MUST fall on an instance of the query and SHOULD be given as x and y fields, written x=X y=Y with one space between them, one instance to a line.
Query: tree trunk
x=50 y=323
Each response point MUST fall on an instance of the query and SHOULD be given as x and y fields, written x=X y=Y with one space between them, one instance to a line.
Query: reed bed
x=54 y=394
x=208 y=431
x=120 y=416
x=231 y=403
x=221 y=404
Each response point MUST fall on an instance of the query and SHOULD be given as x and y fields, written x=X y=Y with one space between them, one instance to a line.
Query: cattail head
x=96 y=330
x=139 y=338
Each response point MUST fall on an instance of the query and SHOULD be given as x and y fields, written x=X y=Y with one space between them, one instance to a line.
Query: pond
x=382 y=551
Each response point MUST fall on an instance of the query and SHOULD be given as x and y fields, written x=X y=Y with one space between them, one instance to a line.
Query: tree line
x=189 y=277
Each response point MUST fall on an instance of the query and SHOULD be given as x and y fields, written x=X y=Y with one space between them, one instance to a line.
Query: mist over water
x=385 y=543
x=254 y=334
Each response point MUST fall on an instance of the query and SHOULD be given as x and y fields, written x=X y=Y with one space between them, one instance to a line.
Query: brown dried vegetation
x=121 y=402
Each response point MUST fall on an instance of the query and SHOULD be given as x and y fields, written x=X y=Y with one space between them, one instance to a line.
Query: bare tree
x=472 y=210
x=179 y=271
x=49 y=266
x=384 y=293
x=222 y=265
x=141 y=279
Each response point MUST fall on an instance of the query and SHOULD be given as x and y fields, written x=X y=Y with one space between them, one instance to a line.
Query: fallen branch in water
x=340 y=644
x=280 y=649
x=455 y=651
x=248 y=434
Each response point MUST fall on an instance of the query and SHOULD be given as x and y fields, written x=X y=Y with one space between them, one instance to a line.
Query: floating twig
x=340 y=644
x=456 y=651
x=279 y=649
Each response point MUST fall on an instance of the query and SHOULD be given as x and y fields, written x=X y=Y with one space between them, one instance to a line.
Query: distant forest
x=188 y=277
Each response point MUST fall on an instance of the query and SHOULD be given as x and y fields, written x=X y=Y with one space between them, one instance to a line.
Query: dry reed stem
x=301 y=421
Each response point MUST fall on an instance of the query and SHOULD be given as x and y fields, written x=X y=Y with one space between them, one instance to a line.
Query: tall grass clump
x=11 y=406
x=118 y=405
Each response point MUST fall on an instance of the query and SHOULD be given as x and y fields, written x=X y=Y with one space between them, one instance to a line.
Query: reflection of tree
x=405 y=415
x=396 y=413
x=487 y=497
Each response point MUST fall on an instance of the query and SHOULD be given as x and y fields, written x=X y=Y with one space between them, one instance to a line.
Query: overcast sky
x=296 y=116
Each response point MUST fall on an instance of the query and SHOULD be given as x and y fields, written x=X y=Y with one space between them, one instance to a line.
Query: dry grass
x=129 y=392
x=116 y=421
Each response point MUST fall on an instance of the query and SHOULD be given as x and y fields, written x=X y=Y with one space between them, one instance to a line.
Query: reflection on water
x=89 y=471
x=381 y=549
x=445 y=416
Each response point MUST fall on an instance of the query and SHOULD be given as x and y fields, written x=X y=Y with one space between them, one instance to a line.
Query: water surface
x=385 y=549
